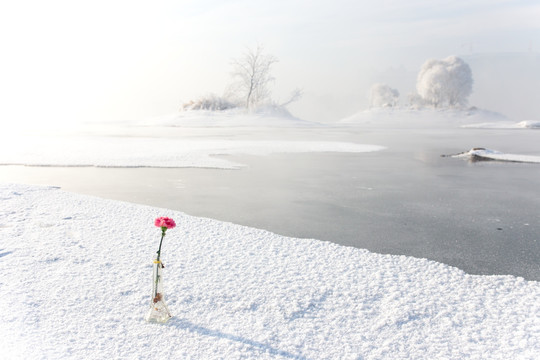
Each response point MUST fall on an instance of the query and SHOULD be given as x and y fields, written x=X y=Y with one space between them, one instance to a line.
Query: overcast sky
x=128 y=60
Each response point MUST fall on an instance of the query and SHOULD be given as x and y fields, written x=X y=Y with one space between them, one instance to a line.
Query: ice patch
x=154 y=152
x=527 y=124
x=479 y=154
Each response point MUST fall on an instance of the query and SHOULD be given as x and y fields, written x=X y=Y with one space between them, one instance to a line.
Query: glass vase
x=158 y=313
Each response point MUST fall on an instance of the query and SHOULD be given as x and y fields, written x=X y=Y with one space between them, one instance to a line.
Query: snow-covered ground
x=422 y=118
x=76 y=278
x=263 y=117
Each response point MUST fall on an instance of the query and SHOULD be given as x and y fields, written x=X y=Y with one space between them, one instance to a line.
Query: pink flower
x=165 y=222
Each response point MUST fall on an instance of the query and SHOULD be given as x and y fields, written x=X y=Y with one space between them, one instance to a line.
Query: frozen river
x=482 y=217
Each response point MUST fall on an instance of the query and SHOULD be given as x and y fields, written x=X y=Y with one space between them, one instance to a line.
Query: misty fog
x=67 y=63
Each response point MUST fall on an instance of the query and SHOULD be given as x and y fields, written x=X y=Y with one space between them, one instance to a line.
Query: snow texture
x=76 y=281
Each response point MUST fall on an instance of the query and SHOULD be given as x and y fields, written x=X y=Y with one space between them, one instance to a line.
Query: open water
x=482 y=217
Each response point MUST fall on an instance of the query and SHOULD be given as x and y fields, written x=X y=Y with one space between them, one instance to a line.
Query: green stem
x=158 y=262
x=157 y=281
x=162 y=236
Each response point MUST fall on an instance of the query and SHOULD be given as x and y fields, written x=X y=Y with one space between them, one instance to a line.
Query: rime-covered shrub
x=209 y=102
x=416 y=101
x=446 y=82
x=382 y=95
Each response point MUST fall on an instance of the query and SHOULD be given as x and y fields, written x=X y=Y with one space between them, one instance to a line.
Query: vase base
x=158 y=313
x=157 y=321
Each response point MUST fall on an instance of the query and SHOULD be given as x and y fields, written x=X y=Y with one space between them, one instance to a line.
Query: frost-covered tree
x=416 y=101
x=252 y=77
x=446 y=82
x=382 y=95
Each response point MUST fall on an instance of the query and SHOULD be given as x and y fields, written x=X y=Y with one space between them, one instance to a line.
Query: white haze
x=66 y=62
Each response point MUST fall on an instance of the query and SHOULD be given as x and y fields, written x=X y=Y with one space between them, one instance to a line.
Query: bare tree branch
x=295 y=96
x=252 y=74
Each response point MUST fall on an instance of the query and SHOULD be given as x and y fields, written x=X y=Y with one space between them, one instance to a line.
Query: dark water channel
x=482 y=217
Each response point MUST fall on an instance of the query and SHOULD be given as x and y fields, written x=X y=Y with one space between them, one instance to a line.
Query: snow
x=445 y=82
x=526 y=124
x=397 y=118
x=76 y=270
x=421 y=118
x=263 y=117
x=529 y=124
x=140 y=151
x=76 y=281
x=488 y=154
x=187 y=139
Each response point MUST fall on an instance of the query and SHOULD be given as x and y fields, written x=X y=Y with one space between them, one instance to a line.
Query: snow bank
x=422 y=118
x=76 y=278
x=487 y=154
x=264 y=117
x=152 y=152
